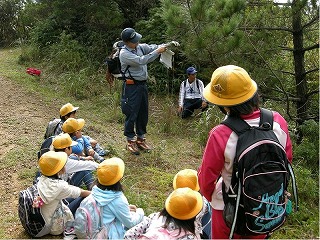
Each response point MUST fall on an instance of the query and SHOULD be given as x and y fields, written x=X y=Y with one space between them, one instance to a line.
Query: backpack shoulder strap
x=197 y=82
x=266 y=117
x=237 y=124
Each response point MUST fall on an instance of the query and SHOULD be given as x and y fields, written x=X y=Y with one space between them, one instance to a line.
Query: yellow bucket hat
x=186 y=178
x=184 y=203
x=230 y=85
x=110 y=171
x=72 y=125
x=52 y=162
x=67 y=108
x=63 y=141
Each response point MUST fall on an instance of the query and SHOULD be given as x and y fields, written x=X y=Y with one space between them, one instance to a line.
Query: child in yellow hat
x=189 y=178
x=83 y=149
x=233 y=90
x=174 y=221
x=52 y=190
x=116 y=213
x=77 y=172
x=55 y=128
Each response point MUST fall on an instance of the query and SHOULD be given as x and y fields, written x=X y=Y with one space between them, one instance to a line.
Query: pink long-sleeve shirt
x=220 y=151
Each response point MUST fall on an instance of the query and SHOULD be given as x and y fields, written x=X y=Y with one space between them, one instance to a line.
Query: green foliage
x=207 y=121
x=308 y=151
x=67 y=55
x=210 y=27
x=8 y=18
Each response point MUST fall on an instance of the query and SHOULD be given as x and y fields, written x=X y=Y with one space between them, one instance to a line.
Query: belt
x=131 y=81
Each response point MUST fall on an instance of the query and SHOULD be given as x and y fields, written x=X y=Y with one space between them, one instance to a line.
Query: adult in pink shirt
x=232 y=89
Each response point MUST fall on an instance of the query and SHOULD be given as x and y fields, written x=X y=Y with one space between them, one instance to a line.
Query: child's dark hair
x=245 y=108
x=183 y=225
x=61 y=150
x=65 y=117
x=115 y=187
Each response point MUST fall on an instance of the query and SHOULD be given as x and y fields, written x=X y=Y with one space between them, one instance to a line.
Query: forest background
x=277 y=43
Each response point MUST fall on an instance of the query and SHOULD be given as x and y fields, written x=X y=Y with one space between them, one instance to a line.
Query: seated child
x=55 y=127
x=189 y=178
x=117 y=215
x=83 y=149
x=175 y=221
x=52 y=190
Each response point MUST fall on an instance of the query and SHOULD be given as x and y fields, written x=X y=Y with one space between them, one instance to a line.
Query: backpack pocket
x=264 y=200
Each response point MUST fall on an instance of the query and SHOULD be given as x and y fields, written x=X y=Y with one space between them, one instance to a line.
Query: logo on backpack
x=256 y=200
x=29 y=211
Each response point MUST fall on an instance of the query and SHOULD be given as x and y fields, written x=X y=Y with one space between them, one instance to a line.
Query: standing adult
x=191 y=94
x=232 y=89
x=134 y=58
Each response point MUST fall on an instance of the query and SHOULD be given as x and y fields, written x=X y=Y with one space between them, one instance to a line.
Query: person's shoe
x=69 y=233
x=141 y=143
x=132 y=147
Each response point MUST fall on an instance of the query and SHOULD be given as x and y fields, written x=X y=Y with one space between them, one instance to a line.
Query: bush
x=308 y=151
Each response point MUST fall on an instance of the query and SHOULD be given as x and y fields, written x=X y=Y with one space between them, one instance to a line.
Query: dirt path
x=22 y=121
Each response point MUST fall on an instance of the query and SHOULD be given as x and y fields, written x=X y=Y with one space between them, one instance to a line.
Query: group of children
x=181 y=218
x=69 y=165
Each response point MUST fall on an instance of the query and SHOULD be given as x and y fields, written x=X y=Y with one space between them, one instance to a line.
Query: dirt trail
x=22 y=122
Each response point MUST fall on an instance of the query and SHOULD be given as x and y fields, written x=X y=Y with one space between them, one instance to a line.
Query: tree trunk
x=299 y=67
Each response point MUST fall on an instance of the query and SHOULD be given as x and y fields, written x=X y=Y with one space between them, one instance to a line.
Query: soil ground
x=21 y=115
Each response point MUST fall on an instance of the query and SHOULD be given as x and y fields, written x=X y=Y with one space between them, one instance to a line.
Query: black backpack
x=31 y=217
x=45 y=146
x=256 y=201
x=113 y=62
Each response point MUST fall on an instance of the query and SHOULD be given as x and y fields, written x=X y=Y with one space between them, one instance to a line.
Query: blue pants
x=134 y=104
x=73 y=203
x=189 y=106
x=77 y=178
x=82 y=177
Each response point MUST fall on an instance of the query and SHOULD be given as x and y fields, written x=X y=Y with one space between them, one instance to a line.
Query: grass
x=178 y=144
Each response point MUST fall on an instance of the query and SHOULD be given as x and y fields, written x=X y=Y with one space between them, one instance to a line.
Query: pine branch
x=312 y=21
x=311 y=47
x=312 y=70
x=312 y=93
x=267 y=28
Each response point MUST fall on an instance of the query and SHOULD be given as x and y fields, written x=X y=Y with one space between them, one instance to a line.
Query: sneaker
x=141 y=143
x=69 y=233
x=98 y=158
x=132 y=147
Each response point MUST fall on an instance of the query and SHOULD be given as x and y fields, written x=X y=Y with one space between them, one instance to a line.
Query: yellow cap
x=52 y=162
x=72 y=125
x=186 y=178
x=184 y=203
x=62 y=141
x=67 y=108
x=230 y=85
x=110 y=171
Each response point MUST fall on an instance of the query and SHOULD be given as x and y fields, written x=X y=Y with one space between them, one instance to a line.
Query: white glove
x=174 y=43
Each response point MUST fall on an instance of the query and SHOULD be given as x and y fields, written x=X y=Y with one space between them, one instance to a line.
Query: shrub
x=308 y=151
